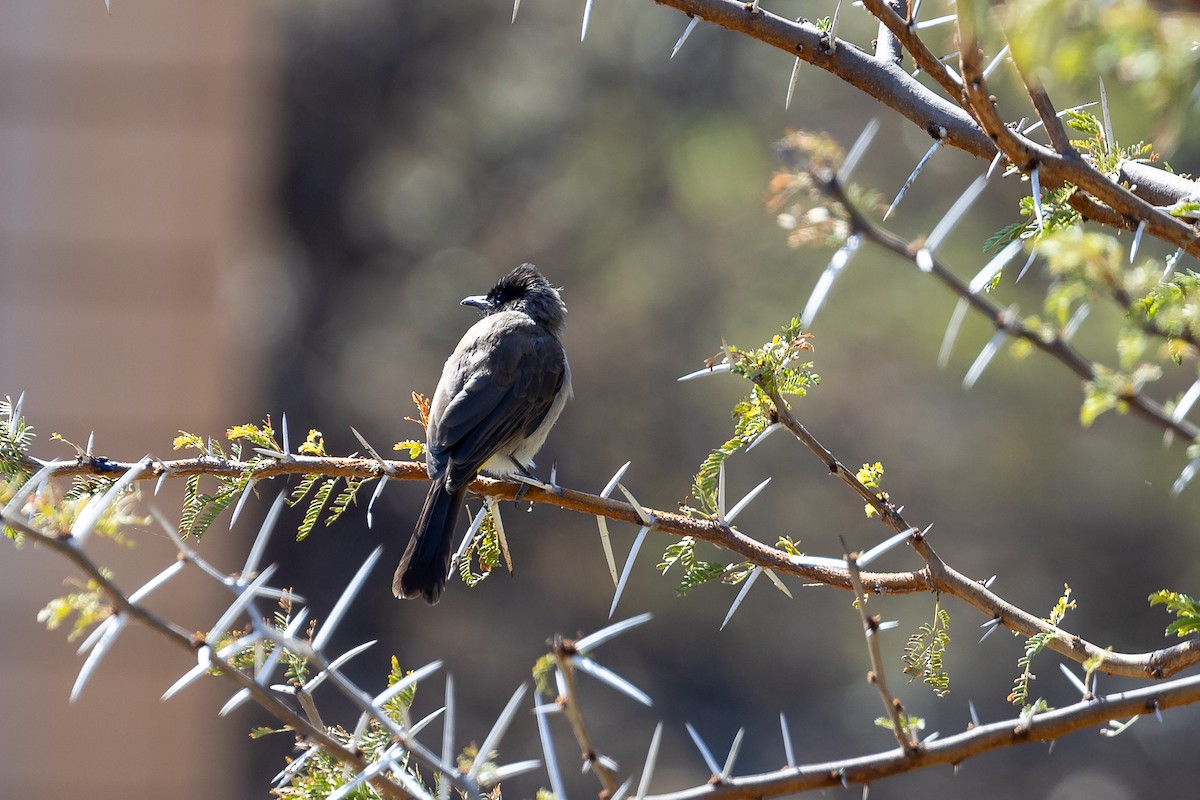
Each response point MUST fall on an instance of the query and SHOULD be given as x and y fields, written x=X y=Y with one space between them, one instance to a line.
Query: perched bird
x=501 y=391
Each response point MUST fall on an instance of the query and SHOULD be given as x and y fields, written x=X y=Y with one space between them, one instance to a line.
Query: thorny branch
x=1055 y=346
x=891 y=704
x=64 y=546
x=1108 y=202
x=563 y=650
x=968 y=120
x=936 y=576
x=954 y=749
x=1046 y=726
x=882 y=80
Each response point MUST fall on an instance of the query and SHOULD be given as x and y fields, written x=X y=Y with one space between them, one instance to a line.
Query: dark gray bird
x=501 y=391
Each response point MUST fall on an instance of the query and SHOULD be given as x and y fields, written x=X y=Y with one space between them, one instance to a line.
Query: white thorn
x=956 y=320
x=594 y=640
x=792 y=84
x=691 y=26
x=651 y=759
x=995 y=62
x=633 y=551
x=733 y=754
x=778 y=583
x=1109 y=139
x=912 y=176
x=616 y=478
x=964 y=202
x=497 y=732
x=993 y=268
x=343 y=603
x=1081 y=313
x=1137 y=240
x=709 y=761
x=860 y=144
x=587 y=16
x=606 y=675
x=1036 y=184
x=1028 y=263
x=715 y=369
x=788 y=753
x=837 y=263
x=741 y=595
x=884 y=546
x=929 y=23
x=983 y=359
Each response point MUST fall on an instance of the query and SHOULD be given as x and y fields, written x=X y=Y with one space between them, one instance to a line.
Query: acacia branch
x=1109 y=203
x=1103 y=200
x=901 y=29
x=937 y=576
x=943 y=578
x=564 y=650
x=64 y=546
x=1056 y=346
x=882 y=80
x=891 y=704
x=1046 y=726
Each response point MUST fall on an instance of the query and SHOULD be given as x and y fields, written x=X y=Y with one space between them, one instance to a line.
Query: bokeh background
x=211 y=212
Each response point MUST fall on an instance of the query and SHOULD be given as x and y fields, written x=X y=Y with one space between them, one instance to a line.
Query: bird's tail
x=426 y=561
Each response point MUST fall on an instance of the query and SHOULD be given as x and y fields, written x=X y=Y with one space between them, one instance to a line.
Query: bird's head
x=527 y=291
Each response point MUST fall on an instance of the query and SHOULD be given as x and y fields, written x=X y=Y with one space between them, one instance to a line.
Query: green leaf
x=695 y=571
x=1185 y=608
x=924 y=652
x=1002 y=237
x=1034 y=645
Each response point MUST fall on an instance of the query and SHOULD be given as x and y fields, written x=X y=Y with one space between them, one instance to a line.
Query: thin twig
x=895 y=711
x=564 y=651
x=1046 y=112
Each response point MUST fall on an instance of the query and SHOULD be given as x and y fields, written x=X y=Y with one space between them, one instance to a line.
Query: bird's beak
x=478 y=301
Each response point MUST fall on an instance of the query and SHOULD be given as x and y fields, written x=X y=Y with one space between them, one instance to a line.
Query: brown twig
x=1046 y=112
x=945 y=579
x=891 y=704
x=936 y=576
x=564 y=650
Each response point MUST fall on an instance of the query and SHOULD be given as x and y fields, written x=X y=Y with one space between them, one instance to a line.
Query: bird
x=500 y=392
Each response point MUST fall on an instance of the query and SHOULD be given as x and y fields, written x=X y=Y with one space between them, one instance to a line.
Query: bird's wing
x=496 y=389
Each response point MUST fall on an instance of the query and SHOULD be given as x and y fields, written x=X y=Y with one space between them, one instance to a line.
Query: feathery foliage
x=1034 y=645
x=924 y=650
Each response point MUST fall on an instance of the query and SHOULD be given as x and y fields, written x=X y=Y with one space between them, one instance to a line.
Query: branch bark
x=980 y=132
x=936 y=576
x=954 y=749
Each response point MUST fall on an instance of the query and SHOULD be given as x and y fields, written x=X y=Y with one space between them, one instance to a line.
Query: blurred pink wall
x=131 y=217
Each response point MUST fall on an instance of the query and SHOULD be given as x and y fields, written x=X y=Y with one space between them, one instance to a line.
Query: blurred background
x=212 y=212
